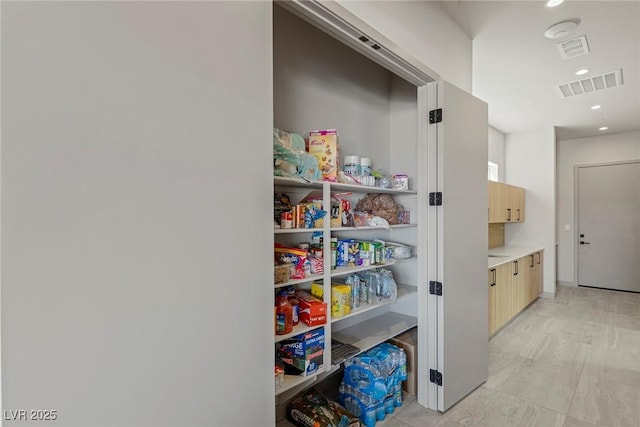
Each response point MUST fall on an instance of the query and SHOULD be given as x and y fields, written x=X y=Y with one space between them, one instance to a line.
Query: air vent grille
x=591 y=84
x=573 y=47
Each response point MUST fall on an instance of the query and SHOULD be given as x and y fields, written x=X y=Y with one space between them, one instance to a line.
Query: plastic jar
x=351 y=165
x=365 y=166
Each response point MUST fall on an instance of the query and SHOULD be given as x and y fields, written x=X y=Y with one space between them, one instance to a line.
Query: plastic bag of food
x=312 y=409
x=290 y=157
x=381 y=205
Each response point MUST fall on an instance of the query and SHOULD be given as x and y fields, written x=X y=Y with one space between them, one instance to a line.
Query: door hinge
x=435 y=116
x=435 y=288
x=435 y=199
x=435 y=377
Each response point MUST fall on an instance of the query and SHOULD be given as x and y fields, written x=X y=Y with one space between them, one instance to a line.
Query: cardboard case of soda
x=304 y=352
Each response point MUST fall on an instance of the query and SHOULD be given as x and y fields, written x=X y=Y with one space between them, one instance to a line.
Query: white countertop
x=505 y=254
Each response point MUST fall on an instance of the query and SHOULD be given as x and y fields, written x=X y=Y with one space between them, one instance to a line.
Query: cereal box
x=323 y=144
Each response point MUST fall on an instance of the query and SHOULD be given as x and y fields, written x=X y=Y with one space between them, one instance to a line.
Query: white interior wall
x=424 y=30
x=583 y=151
x=135 y=148
x=530 y=158
x=496 y=150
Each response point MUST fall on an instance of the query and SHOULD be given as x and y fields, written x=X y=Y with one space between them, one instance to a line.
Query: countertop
x=505 y=254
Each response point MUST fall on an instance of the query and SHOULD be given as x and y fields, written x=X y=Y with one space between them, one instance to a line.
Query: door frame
x=576 y=214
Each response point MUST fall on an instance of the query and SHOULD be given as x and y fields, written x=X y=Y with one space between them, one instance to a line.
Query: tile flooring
x=568 y=362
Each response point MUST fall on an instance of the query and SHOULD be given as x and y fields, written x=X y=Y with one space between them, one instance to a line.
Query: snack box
x=323 y=144
x=304 y=352
x=311 y=310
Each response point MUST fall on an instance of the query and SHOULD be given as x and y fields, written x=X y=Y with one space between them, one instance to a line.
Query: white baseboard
x=548 y=295
x=563 y=283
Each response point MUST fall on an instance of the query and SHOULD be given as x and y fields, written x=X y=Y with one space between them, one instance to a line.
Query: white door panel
x=609 y=226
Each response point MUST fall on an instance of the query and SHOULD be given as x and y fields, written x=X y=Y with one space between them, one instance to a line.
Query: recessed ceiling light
x=596 y=107
x=582 y=71
x=554 y=3
x=561 y=29
x=603 y=128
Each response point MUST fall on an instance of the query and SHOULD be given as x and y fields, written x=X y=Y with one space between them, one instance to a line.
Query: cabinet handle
x=518 y=215
x=532 y=261
x=493 y=270
x=508 y=214
x=539 y=256
x=516 y=263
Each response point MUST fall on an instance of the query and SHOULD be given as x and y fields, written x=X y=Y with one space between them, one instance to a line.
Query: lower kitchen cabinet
x=512 y=287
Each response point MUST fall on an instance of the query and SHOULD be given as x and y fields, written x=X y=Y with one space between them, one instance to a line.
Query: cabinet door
x=530 y=278
x=461 y=240
x=492 y=301
x=503 y=294
x=539 y=276
x=497 y=202
x=519 y=204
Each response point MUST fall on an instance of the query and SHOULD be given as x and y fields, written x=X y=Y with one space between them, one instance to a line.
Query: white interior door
x=462 y=310
x=609 y=226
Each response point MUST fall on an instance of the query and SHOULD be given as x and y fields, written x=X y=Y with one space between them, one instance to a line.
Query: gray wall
x=598 y=149
x=135 y=148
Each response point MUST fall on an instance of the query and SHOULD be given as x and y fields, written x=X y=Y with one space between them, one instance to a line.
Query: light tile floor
x=567 y=362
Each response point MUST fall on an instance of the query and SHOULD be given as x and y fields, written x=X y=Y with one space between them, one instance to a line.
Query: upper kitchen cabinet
x=506 y=203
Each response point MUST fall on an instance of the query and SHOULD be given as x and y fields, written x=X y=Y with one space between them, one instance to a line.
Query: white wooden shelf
x=295 y=230
x=309 y=278
x=341 y=271
x=373 y=227
x=281 y=181
x=403 y=290
x=300 y=328
x=374 y=331
x=291 y=381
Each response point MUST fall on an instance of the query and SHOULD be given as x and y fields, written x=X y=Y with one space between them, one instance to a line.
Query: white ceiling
x=516 y=69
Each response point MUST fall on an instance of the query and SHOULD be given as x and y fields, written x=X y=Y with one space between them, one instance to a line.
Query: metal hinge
x=435 y=288
x=435 y=116
x=435 y=377
x=435 y=199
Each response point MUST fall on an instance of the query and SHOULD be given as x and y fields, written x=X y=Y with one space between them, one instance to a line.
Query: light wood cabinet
x=514 y=203
x=506 y=203
x=512 y=287
x=497 y=202
x=492 y=301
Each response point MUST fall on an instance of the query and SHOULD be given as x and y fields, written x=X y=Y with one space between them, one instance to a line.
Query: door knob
x=584 y=243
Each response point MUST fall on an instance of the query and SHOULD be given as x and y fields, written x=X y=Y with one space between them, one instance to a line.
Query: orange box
x=311 y=310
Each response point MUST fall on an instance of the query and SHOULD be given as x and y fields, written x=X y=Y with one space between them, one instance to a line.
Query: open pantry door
x=458 y=141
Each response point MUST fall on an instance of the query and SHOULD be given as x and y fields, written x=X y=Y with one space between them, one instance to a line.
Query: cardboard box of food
x=323 y=144
x=408 y=341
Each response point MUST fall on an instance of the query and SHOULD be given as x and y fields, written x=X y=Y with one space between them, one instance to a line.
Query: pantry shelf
x=374 y=331
x=403 y=290
x=341 y=271
x=291 y=381
x=295 y=230
x=281 y=181
x=309 y=278
x=300 y=328
x=373 y=227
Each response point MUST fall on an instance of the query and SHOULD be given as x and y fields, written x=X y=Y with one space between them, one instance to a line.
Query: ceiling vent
x=591 y=84
x=573 y=47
